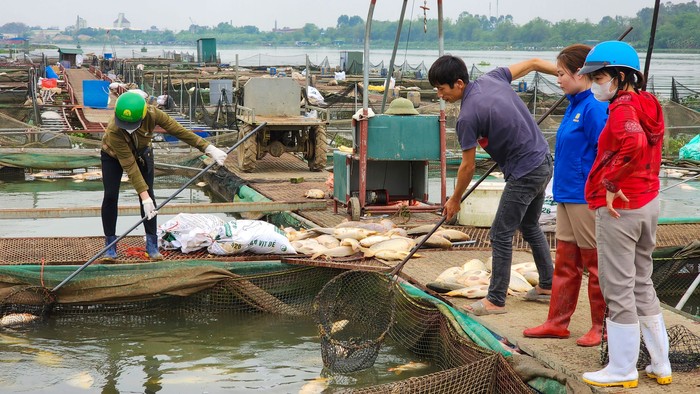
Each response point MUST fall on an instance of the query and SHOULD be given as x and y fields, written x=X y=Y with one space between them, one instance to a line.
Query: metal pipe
x=652 y=36
x=390 y=71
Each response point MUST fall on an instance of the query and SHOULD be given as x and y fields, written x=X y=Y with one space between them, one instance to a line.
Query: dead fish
x=328 y=241
x=472 y=278
x=311 y=249
x=373 y=239
x=450 y=275
x=315 y=386
x=17 y=319
x=474 y=264
x=315 y=193
x=296 y=235
x=371 y=226
x=435 y=241
x=201 y=184
x=352 y=232
x=532 y=277
x=351 y=242
x=339 y=325
x=411 y=366
x=395 y=244
x=82 y=380
x=452 y=235
x=421 y=230
x=524 y=267
x=388 y=254
x=397 y=232
x=518 y=283
x=340 y=251
x=475 y=291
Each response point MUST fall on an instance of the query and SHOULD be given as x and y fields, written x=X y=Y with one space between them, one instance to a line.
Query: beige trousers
x=576 y=224
x=624 y=261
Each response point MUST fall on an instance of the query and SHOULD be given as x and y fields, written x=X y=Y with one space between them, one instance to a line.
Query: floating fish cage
x=427 y=327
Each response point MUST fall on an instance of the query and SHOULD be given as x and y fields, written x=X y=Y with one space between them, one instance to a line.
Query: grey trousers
x=624 y=261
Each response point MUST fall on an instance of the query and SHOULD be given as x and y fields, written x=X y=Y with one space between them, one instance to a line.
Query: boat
x=144 y=49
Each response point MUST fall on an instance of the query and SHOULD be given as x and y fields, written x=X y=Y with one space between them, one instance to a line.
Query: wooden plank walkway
x=75 y=77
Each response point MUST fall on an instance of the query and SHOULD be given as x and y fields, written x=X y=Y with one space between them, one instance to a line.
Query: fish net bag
x=36 y=300
x=354 y=312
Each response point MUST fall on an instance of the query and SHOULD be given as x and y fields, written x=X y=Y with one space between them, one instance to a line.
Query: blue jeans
x=519 y=208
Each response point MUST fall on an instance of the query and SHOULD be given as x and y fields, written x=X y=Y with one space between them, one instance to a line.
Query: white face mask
x=602 y=92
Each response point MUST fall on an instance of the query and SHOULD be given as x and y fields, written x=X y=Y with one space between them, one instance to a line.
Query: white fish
x=328 y=241
x=518 y=283
x=372 y=239
x=398 y=231
x=435 y=241
x=353 y=243
x=410 y=366
x=472 y=278
x=371 y=226
x=450 y=275
x=339 y=325
x=82 y=380
x=17 y=319
x=421 y=230
x=474 y=264
x=475 y=291
x=315 y=386
x=352 y=232
x=201 y=184
x=452 y=235
x=387 y=254
x=296 y=235
x=315 y=193
x=524 y=267
x=340 y=251
x=532 y=277
x=395 y=244
x=49 y=359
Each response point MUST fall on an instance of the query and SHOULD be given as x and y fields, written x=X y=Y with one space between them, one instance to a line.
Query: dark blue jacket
x=577 y=145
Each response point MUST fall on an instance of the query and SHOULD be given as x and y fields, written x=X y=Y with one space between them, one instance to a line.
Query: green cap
x=129 y=111
x=401 y=106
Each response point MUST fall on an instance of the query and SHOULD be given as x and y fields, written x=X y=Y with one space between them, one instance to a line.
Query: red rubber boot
x=566 y=283
x=595 y=297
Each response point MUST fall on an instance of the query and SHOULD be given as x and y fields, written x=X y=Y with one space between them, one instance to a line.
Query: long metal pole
x=390 y=71
x=652 y=36
x=167 y=200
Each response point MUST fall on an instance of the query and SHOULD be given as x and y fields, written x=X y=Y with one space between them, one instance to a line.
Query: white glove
x=217 y=154
x=149 y=208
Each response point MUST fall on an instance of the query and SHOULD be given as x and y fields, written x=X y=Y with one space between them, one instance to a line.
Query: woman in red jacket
x=623 y=189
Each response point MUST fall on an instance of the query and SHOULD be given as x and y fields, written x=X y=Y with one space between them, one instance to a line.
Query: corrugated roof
x=70 y=51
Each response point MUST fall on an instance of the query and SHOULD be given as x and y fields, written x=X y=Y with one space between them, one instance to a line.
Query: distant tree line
x=677 y=29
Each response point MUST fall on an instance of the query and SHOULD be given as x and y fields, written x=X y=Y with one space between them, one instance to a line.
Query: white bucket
x=479 y=208
x=414 y=97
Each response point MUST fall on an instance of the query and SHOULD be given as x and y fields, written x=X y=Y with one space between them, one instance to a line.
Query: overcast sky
x=178 y=14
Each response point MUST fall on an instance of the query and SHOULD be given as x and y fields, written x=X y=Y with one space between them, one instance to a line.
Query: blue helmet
x=611 y=54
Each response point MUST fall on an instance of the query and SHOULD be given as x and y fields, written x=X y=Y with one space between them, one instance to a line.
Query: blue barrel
x=95 y=93
x=273 y=70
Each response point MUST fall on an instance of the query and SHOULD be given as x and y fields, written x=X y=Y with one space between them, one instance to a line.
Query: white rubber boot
x=656 y=340
x=623 y=353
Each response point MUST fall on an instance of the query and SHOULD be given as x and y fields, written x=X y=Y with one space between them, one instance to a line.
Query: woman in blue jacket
x=574 y=153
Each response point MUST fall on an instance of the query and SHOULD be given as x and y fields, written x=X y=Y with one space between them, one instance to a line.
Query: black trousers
x=111 y=180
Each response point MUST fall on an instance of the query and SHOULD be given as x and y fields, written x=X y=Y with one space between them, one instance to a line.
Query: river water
x=663 y=66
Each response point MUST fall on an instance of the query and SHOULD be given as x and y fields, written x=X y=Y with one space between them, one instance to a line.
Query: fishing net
x=362 y=303
x=467 y=359
x=685 y=95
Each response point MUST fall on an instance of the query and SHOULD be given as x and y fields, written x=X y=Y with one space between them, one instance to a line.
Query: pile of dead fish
x=381 y=240
x=471 y=280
